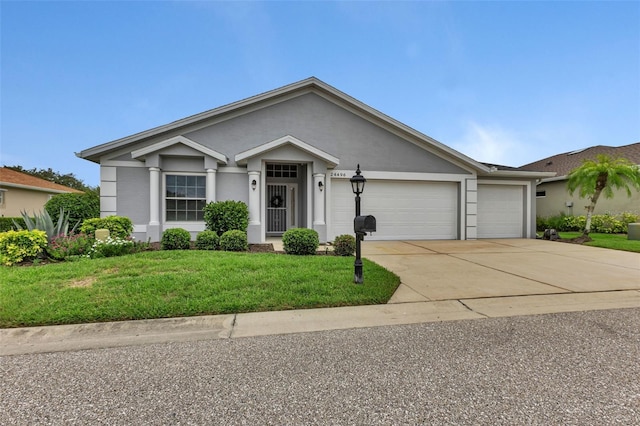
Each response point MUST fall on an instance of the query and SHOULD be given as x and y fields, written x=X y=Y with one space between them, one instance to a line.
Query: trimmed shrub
x=175 y=239
x=6 y=224
x=344 y=245
x=207 y=240
x=118 y=226
x=300 y=241
x=223 y=216
x=234 y=240
x=16 y=246
x=600 y=223
x=79 y=206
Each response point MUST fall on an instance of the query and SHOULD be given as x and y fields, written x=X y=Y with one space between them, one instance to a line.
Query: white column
x=211 y=186
x=318 y=199
x=154 y=196
x=254 y=198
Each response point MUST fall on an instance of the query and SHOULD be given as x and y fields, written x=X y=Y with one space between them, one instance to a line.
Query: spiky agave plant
x=43 y=222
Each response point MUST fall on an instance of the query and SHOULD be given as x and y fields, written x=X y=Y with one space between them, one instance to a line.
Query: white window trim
x=179 y=224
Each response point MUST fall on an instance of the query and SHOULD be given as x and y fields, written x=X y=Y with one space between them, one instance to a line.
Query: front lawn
x=160 y=284
x=609 y=241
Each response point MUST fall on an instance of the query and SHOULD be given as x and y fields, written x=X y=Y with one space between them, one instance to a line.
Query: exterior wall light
x=254 y=184
x=320 y=186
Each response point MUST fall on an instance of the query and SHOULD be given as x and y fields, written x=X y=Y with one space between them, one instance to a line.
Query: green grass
x=609 y=241
x=163 y=284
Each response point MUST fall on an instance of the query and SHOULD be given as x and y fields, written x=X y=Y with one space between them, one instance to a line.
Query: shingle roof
x=9 y=177
x=567 y=161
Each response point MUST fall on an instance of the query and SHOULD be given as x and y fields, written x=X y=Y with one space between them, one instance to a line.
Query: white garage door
x=404 y=210
x=500 y=211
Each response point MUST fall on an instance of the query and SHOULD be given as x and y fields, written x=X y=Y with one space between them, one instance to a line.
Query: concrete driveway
x=510 y=277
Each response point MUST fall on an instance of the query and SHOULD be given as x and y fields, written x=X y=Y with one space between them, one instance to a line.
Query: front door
x=282 y=202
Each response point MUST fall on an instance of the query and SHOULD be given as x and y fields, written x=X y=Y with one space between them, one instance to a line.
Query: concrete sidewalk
x=441 y=281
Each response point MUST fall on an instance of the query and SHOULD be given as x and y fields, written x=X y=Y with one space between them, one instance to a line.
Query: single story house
x=23 y=192
x=552 y=195
x=289 y=154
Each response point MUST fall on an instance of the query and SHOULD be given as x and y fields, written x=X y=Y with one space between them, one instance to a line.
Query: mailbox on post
x=364 y=224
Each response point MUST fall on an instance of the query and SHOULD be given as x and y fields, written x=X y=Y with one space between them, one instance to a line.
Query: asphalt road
x=571 y=369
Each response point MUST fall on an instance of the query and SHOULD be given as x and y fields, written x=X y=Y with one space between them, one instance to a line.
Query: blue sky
x=504 y=82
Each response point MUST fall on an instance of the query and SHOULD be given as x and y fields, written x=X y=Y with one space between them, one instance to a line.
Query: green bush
x=600 y=223
x=118 y=226
x=6 y=224
x=207 y=240
x=65 y=246
x=628 y=218
x=572 y=223
x=79 y=206
x=175 y=239
x=300 y=241
x=16 y=246
x=234 y=240
x=223 y=216
x=344 y=245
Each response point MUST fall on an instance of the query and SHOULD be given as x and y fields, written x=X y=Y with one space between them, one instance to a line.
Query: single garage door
x=404 y=210
x=500 y=211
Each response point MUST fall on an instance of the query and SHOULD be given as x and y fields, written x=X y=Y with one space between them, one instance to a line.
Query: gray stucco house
x=289 y=154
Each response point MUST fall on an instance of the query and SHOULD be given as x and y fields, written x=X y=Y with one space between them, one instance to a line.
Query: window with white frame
x=185 y=198
x=282 y=170
x=2 y=197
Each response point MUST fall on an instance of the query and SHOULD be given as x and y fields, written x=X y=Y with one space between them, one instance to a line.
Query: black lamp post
x=357 y=185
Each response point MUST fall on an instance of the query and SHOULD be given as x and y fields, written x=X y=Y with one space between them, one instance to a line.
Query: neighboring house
x=289 y=154
x=22 y=192
x=553 y=197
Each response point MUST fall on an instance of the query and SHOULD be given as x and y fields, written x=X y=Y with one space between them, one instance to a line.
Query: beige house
x=552 y=196
x=20 y=191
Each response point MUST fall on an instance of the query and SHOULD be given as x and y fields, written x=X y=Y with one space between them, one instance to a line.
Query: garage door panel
x=403 y=209
x=500 y=211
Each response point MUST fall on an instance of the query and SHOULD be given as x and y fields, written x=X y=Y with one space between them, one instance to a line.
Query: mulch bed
x=577 y=240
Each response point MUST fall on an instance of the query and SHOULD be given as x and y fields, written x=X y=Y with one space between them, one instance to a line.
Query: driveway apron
x=518 y=276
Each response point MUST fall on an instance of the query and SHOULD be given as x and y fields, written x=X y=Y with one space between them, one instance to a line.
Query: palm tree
x=602 y=176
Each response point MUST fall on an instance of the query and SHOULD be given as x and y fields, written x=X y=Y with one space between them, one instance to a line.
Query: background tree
x=68 y=180
x=602 y=176
x=79 y=206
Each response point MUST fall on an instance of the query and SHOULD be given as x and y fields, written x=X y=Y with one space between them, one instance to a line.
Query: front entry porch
x=287 y=178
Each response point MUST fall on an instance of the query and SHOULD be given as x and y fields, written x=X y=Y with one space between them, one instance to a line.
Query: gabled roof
x=12 y=178
x=563 y=163
x=179 y=140
x=242 y=157
x=309 y=85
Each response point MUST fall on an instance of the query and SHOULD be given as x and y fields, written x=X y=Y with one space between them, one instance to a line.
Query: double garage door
x=404 y=210
x=418 y=210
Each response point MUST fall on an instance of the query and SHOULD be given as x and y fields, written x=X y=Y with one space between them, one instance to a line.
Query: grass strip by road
x=609 y=241
x=163 y=284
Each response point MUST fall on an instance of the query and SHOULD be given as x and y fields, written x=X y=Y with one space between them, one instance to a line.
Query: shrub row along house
x=289 y=154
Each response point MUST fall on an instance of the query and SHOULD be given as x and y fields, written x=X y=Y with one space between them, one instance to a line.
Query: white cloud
x=490 y=144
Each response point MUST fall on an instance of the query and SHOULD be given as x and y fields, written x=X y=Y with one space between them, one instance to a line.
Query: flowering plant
x=111 y=246
x=64 y=246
